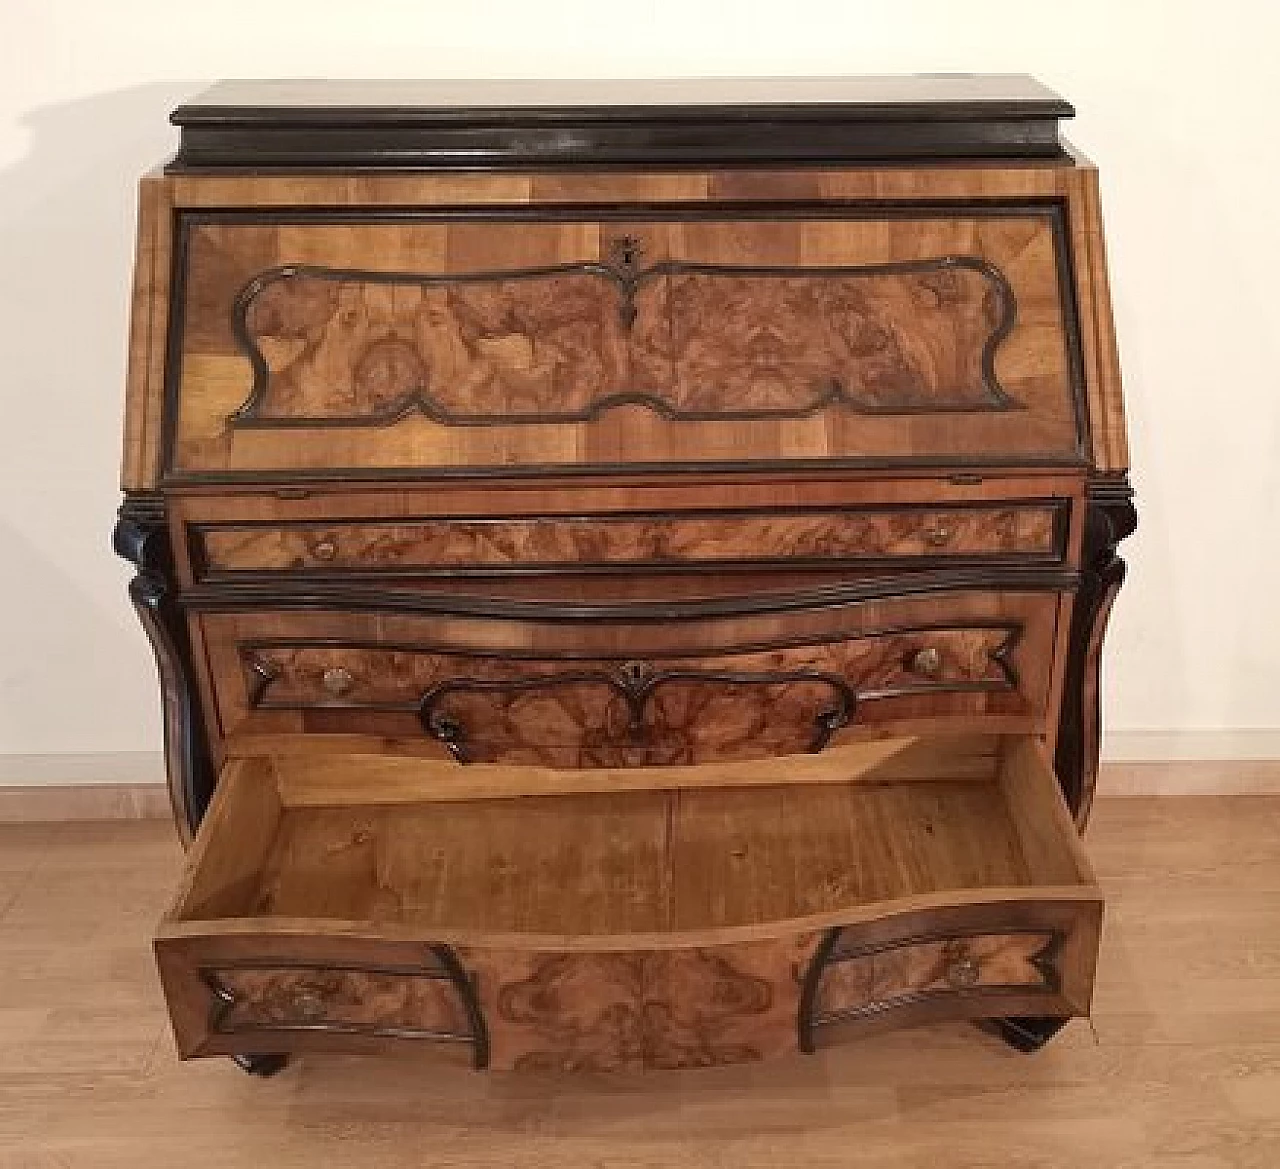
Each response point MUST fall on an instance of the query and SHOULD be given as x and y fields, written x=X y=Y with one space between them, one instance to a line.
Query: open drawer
x=600 y=919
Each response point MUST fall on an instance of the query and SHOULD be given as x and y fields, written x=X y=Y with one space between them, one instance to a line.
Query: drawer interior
x=651 y=917
x=452 y=853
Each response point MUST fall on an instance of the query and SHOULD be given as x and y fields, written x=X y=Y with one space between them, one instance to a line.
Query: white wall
x=1176 y=103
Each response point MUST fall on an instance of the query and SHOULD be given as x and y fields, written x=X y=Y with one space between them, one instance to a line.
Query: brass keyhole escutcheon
x=625 y=253
x=937 y=535
x=326 y=549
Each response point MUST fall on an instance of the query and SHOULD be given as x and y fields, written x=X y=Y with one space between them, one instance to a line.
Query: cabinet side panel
x=149 y=313
x=1105 y=397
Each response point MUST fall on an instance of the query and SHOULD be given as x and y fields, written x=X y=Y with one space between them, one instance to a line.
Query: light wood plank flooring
x=1179 y=1069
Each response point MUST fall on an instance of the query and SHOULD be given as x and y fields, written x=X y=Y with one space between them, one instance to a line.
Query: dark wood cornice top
x=318 y=125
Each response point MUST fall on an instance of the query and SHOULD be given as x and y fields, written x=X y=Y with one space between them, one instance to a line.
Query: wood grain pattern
x=134 y=471
x=1110 y=449
x=900 y=351
x=401 y=1004
x=346 y=347
x=741 y=186
x=665 y=1009
x=374 y=480
x=603 y=713
x=737 y=184
x=575 y=542
x=335 y=780
x=865 y=984
x=687 y=866
x=633 y=929
x=392 y=660
x=340 y=346
x=600 y=722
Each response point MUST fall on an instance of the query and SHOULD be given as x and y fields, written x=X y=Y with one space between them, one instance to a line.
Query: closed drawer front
x=323 y=348
x=1031 y=533
x=627 y=693
x=385 y=1003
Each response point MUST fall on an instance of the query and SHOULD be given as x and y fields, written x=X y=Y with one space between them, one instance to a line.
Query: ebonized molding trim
x=312 y=594
x=252 y=646
x=512 y=125
x=1110 y=517
x=1060 y=509
x=1051 y=208
x=830 y=952
x=141 y=536
x=635 y=680
x=636 y=685
x=627 y=282
x=447 y=967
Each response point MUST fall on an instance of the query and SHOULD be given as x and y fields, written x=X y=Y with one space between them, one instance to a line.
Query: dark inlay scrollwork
x=285 y=1003
x=840 y=945
x=636 y=684
x=349 y=347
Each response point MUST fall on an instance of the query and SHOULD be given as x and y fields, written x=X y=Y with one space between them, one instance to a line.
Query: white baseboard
x=130 y=784
x=1158 y=745
x=75 y=769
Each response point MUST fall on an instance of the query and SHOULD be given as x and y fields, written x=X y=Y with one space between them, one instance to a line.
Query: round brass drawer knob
x=337 y=681
x=927 y=661
x=307 y=1004
x=962 y=972
x=938 y=535
x=325 y=549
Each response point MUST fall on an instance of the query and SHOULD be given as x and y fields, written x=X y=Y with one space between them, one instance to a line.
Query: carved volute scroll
x=142 y=538
x=692 y=342
x=1110 y=518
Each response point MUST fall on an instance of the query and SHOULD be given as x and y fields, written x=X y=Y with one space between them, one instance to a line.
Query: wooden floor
x=1179 y=1069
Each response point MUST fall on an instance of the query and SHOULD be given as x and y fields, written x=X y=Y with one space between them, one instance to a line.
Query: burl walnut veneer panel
x=859 y=985
x=628 y=1011
x=313 y=346
x=632 y=693
x=388 y=1003
x=584 y=542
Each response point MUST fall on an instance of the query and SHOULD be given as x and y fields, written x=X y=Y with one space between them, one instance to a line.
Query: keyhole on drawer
x=625 y=252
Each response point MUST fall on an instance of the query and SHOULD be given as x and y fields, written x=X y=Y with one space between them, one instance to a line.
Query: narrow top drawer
x=305 y=344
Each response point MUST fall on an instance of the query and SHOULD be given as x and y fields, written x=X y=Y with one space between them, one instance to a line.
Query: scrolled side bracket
x=141 y=537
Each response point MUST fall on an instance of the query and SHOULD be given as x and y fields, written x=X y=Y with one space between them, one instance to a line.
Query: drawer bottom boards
x=648 y=918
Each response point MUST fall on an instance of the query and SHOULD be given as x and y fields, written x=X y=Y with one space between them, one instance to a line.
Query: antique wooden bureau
x=627 y=563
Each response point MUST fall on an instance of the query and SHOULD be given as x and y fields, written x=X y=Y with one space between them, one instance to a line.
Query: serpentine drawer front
x=618 y=689
x=700 y=916
x=629 y=615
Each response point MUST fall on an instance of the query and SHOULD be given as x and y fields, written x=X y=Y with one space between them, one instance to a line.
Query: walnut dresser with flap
x=627 y=563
